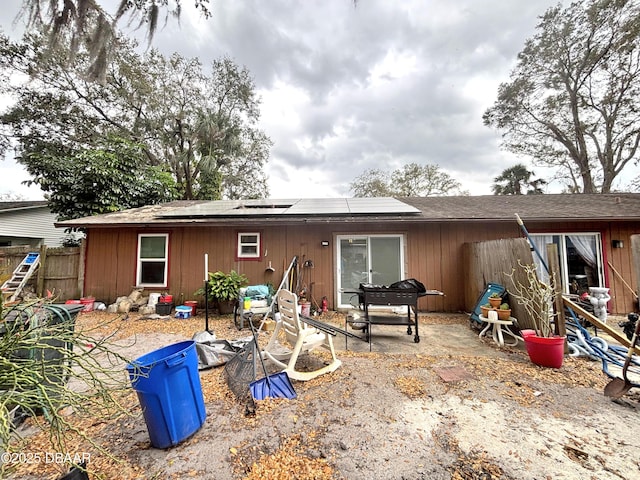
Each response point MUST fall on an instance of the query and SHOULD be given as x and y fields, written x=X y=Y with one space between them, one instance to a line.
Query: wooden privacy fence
x=60 y=270
x=492 y=262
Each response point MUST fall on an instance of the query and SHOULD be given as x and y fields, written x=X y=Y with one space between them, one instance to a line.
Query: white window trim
x=563 y=255
x=139 y=261
x=338 y=270
x=258 y=245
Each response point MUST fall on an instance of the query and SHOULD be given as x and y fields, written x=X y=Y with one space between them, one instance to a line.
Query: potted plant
x=224 y=289
x=544 y=347
x=495 y=300
x=504 y=311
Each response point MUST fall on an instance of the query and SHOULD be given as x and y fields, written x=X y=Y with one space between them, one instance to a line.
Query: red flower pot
x=527 y=333
x=194 y=306
x=544 y=351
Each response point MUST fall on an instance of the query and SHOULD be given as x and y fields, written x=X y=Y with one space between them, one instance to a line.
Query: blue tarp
x=257 y=292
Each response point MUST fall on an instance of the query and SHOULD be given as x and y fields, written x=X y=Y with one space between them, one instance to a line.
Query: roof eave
x=257 y=221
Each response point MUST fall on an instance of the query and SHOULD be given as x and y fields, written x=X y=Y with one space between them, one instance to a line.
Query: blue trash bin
x=168 y=387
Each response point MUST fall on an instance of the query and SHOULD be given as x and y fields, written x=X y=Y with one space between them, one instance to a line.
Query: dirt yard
x=437 y=413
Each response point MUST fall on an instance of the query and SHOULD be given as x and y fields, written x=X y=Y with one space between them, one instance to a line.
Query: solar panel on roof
x=379 y=205
x=305 y=206
x=319 y=206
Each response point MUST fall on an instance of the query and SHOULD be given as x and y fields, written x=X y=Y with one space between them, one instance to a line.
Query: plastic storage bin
x=31 y=257
x=88 y=303
x=165 y=299
x=194 y=307
x=168 y=387
x=164 y=308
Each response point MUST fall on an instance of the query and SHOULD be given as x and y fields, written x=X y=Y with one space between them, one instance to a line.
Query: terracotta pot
x=504 y=314
x=544 y=351
x=495 y=302
x=485 y=311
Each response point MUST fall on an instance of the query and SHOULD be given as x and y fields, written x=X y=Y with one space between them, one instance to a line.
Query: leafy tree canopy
x=85 y=24
x=200 y=126
x=99 y=180
x=573 y=99
x=517 y=180
x=411 y=180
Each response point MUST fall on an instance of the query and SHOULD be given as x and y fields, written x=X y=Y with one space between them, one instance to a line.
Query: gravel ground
x=385 y=416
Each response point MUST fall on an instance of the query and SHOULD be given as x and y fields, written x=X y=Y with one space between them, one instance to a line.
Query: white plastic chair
x=301 y=337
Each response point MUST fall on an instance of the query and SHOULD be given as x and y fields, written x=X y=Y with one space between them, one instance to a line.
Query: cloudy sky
x=345 y=89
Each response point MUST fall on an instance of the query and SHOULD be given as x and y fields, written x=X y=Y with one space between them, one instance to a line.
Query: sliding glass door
x=579 y=257
x=375 y=259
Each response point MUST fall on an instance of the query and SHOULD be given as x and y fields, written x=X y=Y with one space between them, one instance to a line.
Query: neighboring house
x=28 y=223
x=343 y=242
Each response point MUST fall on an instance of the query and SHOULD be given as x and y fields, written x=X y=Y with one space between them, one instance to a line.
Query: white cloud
x=393 y=66
x=346 y=88
x=13 y=176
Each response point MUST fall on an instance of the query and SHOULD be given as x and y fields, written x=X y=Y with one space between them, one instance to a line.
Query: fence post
x=635 y=257
x=41 y=272
x=556 y=285
x=81 y=266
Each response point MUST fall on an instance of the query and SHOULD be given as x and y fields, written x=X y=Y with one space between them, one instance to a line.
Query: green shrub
x=225 y=286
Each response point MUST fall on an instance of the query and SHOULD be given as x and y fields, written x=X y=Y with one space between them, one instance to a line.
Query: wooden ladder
x=21 y=275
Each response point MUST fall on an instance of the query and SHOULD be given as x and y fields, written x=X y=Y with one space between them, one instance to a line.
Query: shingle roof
x=618 y=206
x=20 y=205
x=560 y=207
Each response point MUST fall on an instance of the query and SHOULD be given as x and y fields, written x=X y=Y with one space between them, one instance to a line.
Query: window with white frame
x=579 y=258
x=248 y=244
x=153 y=259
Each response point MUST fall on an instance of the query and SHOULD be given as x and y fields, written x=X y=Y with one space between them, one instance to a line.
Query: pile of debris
x=134 y=302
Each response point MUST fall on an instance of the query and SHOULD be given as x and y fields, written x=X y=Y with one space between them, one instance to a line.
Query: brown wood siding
x=623 y=299
x=110 y=264
x=424 y=261
x=433 y=255
x=443 y=260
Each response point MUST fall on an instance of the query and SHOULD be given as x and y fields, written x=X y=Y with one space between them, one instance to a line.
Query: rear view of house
x=341 y=243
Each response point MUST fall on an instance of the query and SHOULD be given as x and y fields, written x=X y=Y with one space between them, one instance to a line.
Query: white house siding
x=31 y=226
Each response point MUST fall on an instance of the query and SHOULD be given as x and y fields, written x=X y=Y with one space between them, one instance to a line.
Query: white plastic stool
x=499 y=327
